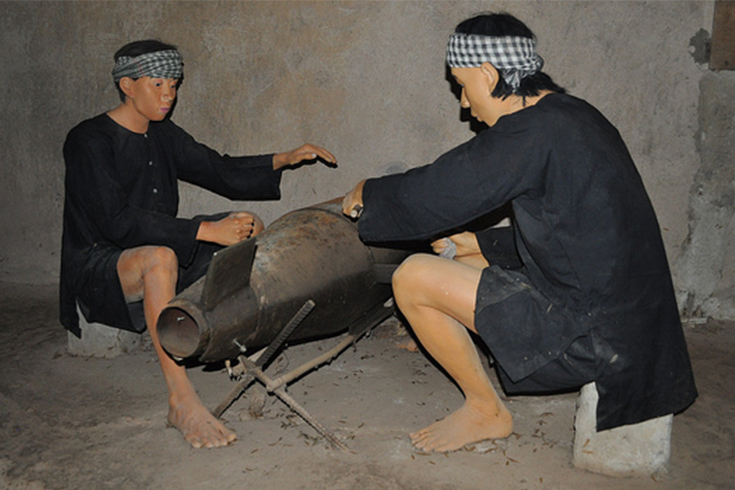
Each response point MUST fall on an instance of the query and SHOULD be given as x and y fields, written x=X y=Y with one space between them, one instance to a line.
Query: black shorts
x=573 y=369
x=537 y=346
x=101 y=297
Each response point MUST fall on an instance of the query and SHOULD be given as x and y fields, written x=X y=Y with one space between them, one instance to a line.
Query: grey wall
x=706 y=265
x=367 y=80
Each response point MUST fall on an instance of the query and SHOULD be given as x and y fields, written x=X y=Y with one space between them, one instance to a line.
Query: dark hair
x=137 y=48
x=501 y=25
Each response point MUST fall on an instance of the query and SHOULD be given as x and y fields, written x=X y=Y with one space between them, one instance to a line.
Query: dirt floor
x=86 y=423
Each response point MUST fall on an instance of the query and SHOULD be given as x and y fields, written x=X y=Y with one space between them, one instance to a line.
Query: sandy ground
x=85 y=423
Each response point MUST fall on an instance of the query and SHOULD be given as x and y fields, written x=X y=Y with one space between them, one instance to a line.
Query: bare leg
x=150 y=273
x=437 y=296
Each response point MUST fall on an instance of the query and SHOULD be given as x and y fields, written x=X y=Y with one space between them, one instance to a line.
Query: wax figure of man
x=588 y=296
x=125 y=254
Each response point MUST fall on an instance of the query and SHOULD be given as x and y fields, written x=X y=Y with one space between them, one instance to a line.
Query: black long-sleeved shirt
x=588 y=240
x=122 y=192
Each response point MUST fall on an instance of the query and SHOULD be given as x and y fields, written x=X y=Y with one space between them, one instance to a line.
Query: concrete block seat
x=99 y=340
x=638 y=449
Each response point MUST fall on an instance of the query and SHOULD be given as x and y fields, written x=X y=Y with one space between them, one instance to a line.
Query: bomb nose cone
x=179 y=333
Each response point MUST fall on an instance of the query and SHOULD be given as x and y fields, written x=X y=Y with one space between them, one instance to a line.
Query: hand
x=445 y=247
x=466 y=243
x=352 y=202
x=232 y=229
x=301 y=154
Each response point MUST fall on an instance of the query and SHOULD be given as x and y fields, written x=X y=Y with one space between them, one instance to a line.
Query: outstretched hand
x=232 y=229
x=304 y=153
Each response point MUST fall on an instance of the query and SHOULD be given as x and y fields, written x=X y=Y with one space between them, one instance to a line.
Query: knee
x=161 y=260
x=409 y=276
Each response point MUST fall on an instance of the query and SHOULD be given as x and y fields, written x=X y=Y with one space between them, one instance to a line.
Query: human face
x=477 y=84
x=152 y=98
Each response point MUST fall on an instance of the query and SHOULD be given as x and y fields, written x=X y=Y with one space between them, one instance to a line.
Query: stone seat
x=639 y=449
x=99 y=340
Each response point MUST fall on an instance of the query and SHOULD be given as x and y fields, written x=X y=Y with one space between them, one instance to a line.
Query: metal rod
x=293 y=405
x=264 y=357
x=234 y=395
x=286 y=332
x=306 y=367
x=256 y=371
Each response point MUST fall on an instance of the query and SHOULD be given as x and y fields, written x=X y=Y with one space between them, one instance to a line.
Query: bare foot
x=196 y=423
x=465 y=426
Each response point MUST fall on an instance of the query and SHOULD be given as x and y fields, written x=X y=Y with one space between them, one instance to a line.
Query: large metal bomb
x=253 y=289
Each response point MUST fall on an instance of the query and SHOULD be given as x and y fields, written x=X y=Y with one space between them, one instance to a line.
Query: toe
x=195 y=442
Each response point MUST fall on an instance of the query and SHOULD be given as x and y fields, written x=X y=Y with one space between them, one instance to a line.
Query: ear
x=127 y=86
x=491 y=75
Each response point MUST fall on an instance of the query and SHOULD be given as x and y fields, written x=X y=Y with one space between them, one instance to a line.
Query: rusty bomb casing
x=252 y=289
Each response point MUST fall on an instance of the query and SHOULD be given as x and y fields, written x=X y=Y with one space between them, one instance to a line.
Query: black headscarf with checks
x=513 y=56
x=158 y=64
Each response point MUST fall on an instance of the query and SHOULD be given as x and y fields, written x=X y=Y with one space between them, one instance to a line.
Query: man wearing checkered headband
x=577 y=290
x=125 y=253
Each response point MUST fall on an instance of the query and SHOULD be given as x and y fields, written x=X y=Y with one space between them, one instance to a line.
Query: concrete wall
x=706 y=264
x=366 y=80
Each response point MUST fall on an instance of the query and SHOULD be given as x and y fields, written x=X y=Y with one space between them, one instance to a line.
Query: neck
x=129 y=118
x=515 y=103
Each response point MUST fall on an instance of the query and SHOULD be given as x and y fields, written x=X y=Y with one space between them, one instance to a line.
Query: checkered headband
x=158 y=64
x=513 y=56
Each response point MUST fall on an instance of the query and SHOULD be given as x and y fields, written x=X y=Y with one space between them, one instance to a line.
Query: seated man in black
x=589 y=297
x=125 y=254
